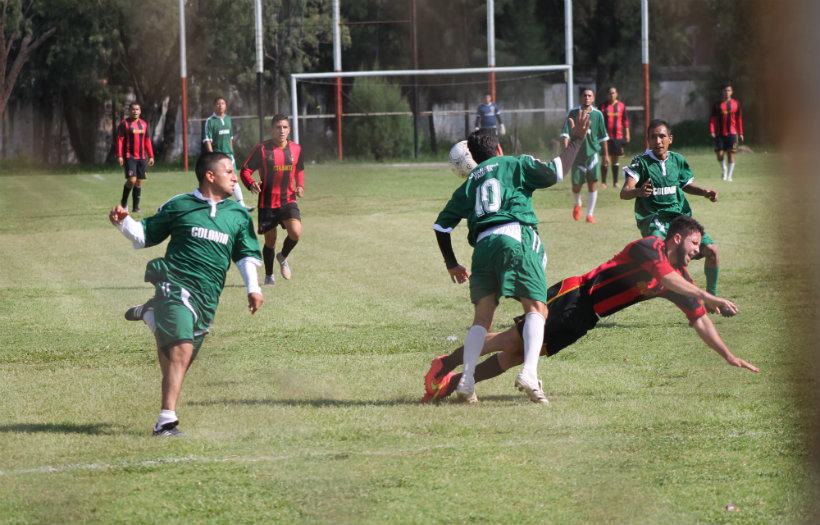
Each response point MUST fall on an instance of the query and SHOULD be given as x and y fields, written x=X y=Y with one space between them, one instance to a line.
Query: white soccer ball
x=461 y=162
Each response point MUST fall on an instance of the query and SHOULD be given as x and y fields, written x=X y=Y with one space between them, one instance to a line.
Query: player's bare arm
x=629 y=191
x=256 y=186
x=673 y=281
x=709 y=334
x=691 y=189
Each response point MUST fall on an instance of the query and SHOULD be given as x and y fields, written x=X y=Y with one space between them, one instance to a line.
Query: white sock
x=731 y=169
x=533 y=340
x=723 y=168
x=577 y=198
x=165 y=416
x=148 y=319
x=592 y=197
x=237 y=193
x=473 y=344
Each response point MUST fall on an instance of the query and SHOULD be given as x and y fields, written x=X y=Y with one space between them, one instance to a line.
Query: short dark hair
x=132 y=104
x=206 y=162
x=685 y=225
x=276 y=118
x=725 y=85
x=654 y=123
x=584 y=88
x=217 y=99
x=483 y=144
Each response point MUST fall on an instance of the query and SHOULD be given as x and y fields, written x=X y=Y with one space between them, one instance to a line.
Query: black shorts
x=570 y=316
x=726 y=143
x=269 y=218
x=616 y=147
x=135 y=168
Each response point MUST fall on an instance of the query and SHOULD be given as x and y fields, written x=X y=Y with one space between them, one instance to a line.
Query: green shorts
x=506 y=267
x=586 y=170
x=658 y=228
x=176 y=317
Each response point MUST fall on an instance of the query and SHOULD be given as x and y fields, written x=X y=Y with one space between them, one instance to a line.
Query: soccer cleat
x=591 y=219
x=441 y=392
x=269 y=280
x=603 y=186
x=725 y=312
x=615 y=185
x=430 y=383
x=283 y=265
x=533 y=388
x=249 y=208
x=168 y=430
x=136 y=313
x=137 y=210
x=465 y=391
x=729 y=178
x=576 y=213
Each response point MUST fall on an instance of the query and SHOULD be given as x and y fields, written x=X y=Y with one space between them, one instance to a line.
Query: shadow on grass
x=60 y=428
x=309 y=402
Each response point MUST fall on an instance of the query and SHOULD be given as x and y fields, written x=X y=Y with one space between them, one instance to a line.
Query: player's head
x=587 y=96
x=488 y=97
x=209 y=161
x=659 y=134
x=683 y=239
x=220 y=105
x=612 y=94
x=483 y=144
x=280 y=128
x=134 y=110
x=726 y=90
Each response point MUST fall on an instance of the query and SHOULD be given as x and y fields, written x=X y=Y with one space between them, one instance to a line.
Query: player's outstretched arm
x=675 y=282
x=709 y=334
x=691 y=189
x=580 y=128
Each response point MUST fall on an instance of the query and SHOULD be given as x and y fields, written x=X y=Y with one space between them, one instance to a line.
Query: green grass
x=308 y=411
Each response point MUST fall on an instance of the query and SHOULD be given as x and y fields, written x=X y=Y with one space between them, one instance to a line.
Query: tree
x=18 y=22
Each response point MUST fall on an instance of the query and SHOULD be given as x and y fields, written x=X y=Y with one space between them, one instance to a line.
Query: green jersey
x=668 y=177
x=498 y=191
x=595 y=135
x=205 y=238
x=219 y=132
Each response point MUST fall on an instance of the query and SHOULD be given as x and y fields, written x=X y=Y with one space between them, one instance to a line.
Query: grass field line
x=48 y=469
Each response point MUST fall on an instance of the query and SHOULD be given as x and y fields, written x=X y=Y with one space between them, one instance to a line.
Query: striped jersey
x=616 y=119
x=133 y=140
x=280 y=171
x=726 y=118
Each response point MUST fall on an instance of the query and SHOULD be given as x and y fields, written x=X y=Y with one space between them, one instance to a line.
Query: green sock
x=711 y=279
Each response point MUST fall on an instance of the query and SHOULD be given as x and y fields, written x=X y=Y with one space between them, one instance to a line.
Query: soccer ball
x=461 y=162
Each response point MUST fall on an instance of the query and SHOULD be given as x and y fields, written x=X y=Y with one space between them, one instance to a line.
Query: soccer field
x=309 y=411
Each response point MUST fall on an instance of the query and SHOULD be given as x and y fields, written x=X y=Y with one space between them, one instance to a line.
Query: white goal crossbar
x=294 y=78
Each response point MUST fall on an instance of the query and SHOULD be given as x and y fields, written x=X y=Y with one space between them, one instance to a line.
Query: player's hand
x=459 y=274
x=117 y=215
x=716 y=303
x=255 y=301
x=300 y=190
x=120 y=160
x=713 y=135
x=741 y=138
x=256 y=186
x=579 y=129
x=151 y=161
x=711 y=195
x=646 y=189
x=740 y=363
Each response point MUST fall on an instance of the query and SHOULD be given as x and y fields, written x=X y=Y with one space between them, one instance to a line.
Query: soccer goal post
x=297 y=77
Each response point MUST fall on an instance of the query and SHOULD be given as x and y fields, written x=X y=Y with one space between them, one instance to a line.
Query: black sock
x=287 y=246
x=126 y=191
x=488 y=369
x=137 y=195
x=452 y=361
x=615 y=169
x=267 y=257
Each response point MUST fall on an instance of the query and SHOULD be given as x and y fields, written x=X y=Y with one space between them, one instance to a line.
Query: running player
x=135 y=152
x=207 y=231
x=643 y=270
x=282 y=175
x=508 y=257
x=657 y=180
x=218 y=136
x=726 y=126
x=585 y=167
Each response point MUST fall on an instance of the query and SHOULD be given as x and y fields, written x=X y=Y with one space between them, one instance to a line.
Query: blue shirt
x=487 y=114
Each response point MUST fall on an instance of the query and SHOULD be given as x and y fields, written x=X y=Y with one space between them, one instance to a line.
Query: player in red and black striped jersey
x=282 y=180
x=616 y=120
x=726 y=126
x=645 y=269
x=135 y=152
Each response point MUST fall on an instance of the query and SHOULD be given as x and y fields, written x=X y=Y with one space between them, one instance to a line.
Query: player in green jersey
x=658 y=180
x=508 y=257
x=207 y=231
x=585 y=167
x=218 y=137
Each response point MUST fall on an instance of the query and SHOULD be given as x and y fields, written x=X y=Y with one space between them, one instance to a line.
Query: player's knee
x=710 y=251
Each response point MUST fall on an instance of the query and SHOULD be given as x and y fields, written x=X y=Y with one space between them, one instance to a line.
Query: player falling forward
x=207 y=231
x=643 y=270
x=508 y=256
